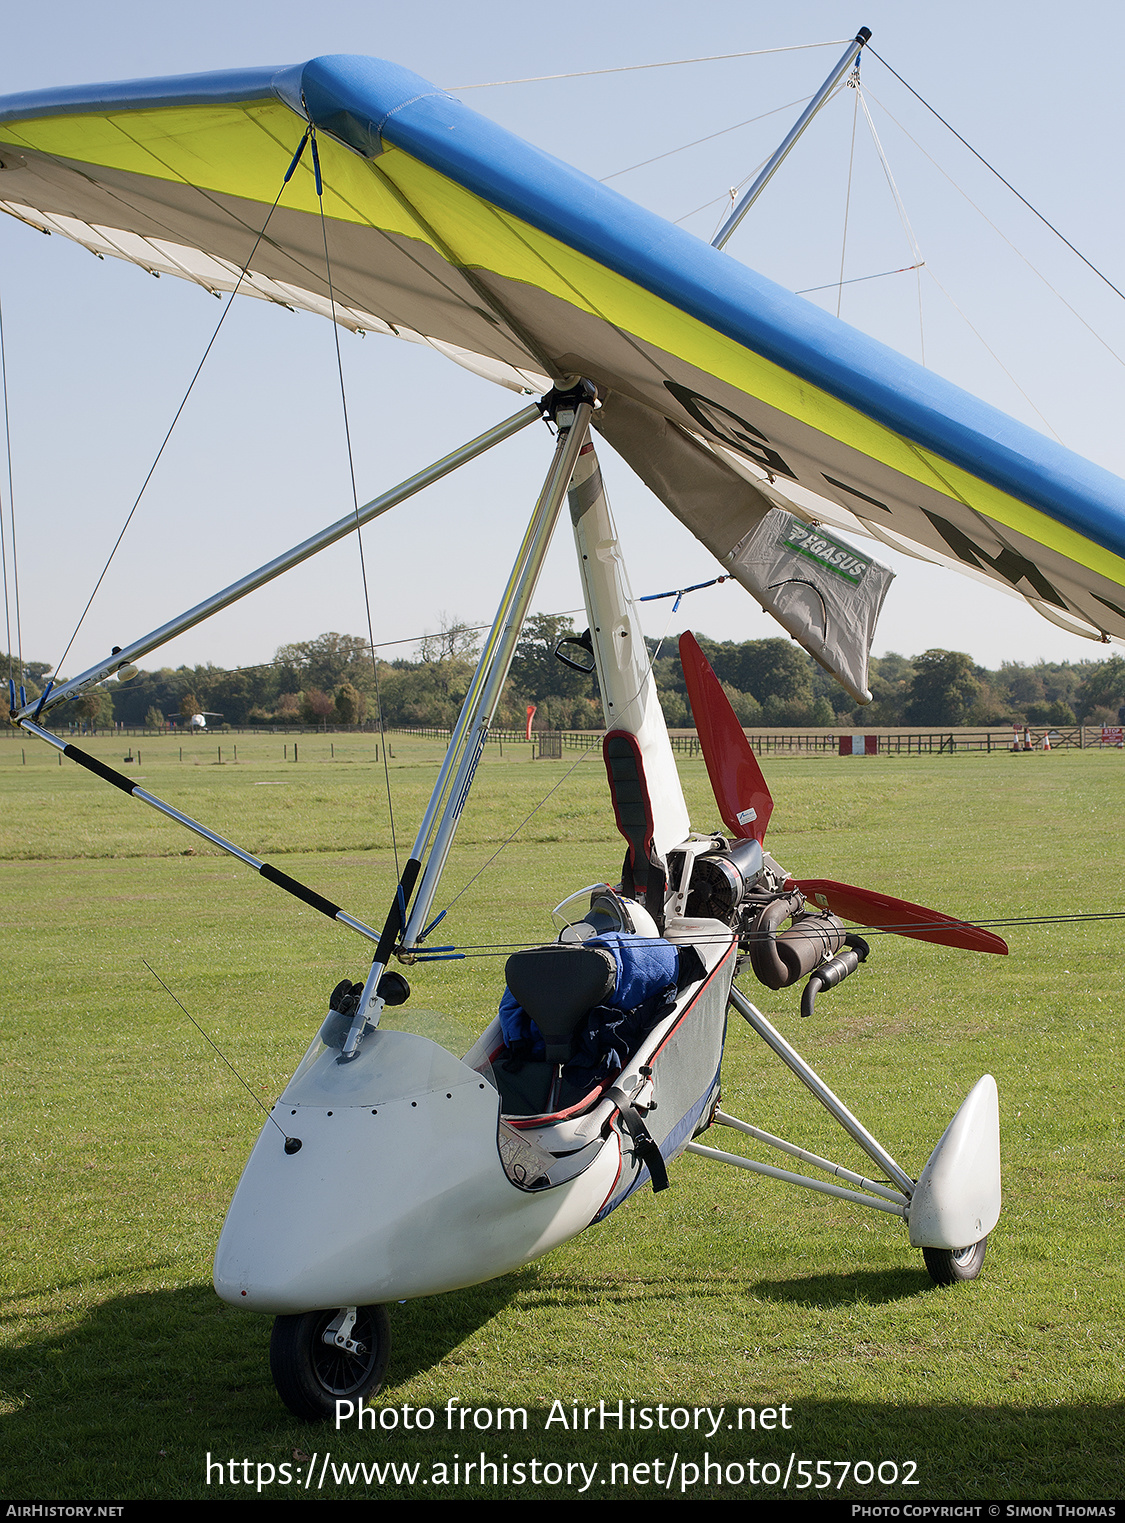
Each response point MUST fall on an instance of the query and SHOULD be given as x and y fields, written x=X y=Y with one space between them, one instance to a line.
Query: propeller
x=740 y=790
x=866 y=907
x=745 y=806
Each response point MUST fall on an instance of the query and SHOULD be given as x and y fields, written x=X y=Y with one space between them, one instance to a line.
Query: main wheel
x=311 y=1376
x=948 y=1266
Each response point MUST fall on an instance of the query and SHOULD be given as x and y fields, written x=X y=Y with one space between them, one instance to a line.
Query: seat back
x=558 y=986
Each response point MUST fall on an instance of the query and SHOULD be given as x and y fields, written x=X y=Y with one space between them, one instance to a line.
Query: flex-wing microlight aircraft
x=391 y=1168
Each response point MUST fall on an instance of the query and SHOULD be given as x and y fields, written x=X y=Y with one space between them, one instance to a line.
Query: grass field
x=124 y=1135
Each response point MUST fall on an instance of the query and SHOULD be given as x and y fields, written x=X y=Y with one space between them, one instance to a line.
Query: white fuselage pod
x=629 y=697
x=396 y=1191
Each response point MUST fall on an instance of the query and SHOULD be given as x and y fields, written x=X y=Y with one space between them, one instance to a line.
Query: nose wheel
x=318 y=1358
x=949 y=1266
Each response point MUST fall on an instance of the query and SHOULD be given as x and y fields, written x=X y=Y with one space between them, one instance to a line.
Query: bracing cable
x=355 y=491
x=993 y=170
x=14 y=679
x=184 y=400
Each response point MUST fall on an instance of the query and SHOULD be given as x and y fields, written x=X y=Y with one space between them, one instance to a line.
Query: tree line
x=333 y=681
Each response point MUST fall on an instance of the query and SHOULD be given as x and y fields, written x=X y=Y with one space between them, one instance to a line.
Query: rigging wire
x=711 y=136
x=920 y=262
x=728 y=201
x=1046 y=424
x=731 y=196
x=856 y=280
x=206 y=1038
x=582 y=755
x=503 y=948
x=210 y=344
x=599 y=735
x=632 y=68
x=903 y=218
x=853 y=83
x=993 y=170
x=999 y=232
x=355 y=491
x=3 y=542
x=558 y=613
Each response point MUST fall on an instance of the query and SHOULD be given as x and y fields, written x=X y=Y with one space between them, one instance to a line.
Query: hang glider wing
x=730 y=396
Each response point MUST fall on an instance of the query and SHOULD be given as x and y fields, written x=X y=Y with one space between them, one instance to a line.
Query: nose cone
x=396 y=1191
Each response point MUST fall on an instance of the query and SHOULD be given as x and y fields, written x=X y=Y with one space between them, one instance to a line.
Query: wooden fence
x=549 y=743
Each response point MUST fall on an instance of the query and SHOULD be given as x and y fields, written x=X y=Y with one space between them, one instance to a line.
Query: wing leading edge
x=731 y=397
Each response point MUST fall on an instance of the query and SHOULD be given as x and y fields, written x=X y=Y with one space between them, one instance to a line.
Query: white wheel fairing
x=956 y=1201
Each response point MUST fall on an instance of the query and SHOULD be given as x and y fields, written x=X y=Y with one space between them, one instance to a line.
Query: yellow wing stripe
x=245 y=150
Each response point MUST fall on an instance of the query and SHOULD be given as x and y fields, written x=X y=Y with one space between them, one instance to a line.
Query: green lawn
x=124 y=1134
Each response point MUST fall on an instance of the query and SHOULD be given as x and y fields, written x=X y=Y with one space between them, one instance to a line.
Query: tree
x=317 y=706
x=350 y=704
x=96 y=707
x=536 y=674
x=234 y=694
x=1022 y=684
x=31 y=674
x=1050 y=713
x=677 y=714
x=889 y=679
x=454 y=641
x=764 y=668
x=154 y=719
x=747 y=709
x=943 y=689
x=325 y=662
x=1103 y=687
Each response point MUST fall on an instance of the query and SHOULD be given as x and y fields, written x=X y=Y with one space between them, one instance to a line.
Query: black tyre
x=311 y=1375
x=949 y=1266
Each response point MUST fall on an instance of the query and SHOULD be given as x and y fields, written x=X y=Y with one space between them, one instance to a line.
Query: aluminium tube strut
x=302 y=552
x=822 y=1186
x=834 y=1106
x=855 y=47
x=467 y=741
x=271 y=874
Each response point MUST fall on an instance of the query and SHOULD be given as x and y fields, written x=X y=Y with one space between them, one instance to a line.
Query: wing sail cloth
x=731 y=397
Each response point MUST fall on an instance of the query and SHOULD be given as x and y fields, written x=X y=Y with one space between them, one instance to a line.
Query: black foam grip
x=299 y=891
x=92 y=764
x=396 y=916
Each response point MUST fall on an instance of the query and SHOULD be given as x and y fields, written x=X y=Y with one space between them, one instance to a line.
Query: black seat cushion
x=558 y=986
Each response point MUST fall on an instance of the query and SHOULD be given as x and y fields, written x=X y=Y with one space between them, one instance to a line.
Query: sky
x=99 y=354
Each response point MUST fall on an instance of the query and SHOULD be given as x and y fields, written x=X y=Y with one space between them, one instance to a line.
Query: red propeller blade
x=865 y=907
x=745 y=805
x=736 y=779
